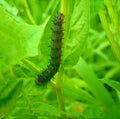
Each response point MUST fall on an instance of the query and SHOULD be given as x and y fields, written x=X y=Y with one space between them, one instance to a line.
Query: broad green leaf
x=11 y=10
x=8 y=100
x=49 y=108
x=71 y=88
x=77 y=32
x=93 y=111
x=18 y=41
x=96 y=87
x=46 y=41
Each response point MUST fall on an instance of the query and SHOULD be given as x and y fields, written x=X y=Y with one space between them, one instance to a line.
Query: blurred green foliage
x=88 y=81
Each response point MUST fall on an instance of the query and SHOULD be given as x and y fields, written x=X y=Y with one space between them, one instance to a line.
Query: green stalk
x=29 y=13
x=60 y=101
x=109 y=34
x=58 y=85
x=59 y=98
x=112 y=14
x=31 y=66
x=63 y=6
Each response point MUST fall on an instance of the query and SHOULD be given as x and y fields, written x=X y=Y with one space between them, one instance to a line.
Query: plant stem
x=60 y=99
x=58 y=91
x=63 y=6
x=109 y=34
x=28 y=13
x=31 y=66
x=58 y=84
x=112 y=14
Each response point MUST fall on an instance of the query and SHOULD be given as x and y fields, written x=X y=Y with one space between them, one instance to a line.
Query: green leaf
x=71 y=88
x=113 y=84
x=9 y=98
x=77 y=32
x=18 y=41
x=93 y=111
x=10 y=9
x=96 y=87
x=46 y=42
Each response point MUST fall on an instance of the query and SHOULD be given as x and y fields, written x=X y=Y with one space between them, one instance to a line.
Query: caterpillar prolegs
x=56 y=46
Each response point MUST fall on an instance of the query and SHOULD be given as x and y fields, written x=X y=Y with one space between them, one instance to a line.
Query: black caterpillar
x=56 y=45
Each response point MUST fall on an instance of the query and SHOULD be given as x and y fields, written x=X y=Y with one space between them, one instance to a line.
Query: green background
x=87 y=85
